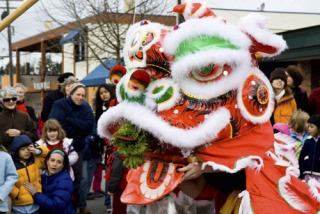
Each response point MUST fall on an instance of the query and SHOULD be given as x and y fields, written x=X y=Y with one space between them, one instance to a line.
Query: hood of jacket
x=20 y=141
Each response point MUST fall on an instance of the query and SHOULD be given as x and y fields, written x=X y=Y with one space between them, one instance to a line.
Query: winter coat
x=314 y=101
x=28 y=171
x=116 y=173
x=14 y=119
x=309 y=160
x=56 y=194
x=68 y=148
x=284 y=108
x=48 y=101
x=76 y=120
x=8 y=177
x=301 y=98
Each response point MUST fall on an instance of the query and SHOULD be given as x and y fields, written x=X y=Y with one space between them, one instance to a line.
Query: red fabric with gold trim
x=255 y=96
x=151 y=182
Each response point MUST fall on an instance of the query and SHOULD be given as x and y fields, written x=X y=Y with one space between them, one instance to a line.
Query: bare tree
x=104 y=23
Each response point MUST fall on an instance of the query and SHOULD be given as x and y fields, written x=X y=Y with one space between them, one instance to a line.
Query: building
x=71 y=41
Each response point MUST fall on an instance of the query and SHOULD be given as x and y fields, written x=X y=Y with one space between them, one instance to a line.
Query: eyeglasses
x=13 y=99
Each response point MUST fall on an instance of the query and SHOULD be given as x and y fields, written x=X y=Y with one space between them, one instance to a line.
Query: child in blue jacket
x=309 y=160
x=57 y=185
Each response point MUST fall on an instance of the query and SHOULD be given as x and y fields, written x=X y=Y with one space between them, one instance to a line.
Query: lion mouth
x=152 y=123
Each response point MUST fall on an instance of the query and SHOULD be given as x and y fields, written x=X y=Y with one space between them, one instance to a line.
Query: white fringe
x=245 y=206
x=314 y=187
x=253 y=162
x=293 y=200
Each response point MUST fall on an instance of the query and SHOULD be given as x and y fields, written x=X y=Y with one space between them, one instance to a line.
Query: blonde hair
x=298 y=121
x=2 y=148
x=20 y=85
x=69 y=81
x=52 y=124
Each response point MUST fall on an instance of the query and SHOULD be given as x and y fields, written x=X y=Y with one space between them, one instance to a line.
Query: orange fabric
x=284 y=108
x=151 y=182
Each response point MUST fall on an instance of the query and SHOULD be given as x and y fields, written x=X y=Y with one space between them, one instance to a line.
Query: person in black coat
x=51 y=97
x=294 y=80
x=309 y=160
x=12 y=121
x=77 y=120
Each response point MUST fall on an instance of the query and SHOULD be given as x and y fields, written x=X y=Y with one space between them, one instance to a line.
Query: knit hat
x=315 y=120
x=76 y=85
x=282 y=127
x=279 y=73
x=19 y=141
x=64 y=76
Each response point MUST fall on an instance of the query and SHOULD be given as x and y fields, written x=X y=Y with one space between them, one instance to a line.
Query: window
x=80 y=50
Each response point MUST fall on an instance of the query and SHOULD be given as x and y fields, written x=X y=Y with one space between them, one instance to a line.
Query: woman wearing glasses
x=12 y=121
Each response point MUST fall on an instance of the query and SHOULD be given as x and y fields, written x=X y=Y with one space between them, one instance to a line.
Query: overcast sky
x=29 y=23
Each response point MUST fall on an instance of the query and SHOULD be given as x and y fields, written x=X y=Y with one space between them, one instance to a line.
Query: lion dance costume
x=195 y=90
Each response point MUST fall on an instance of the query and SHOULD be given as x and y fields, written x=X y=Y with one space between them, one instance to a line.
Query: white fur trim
x=206 y=26
x=152 y=123
x=118 y=95
x=238 y=60
x=166 y=83
x=254 y=24
x=293 y=200
x=130 y=36
x=245 y=206
x=266 y=116
x=314 y=187
x=188 y=10
x=253 y=162
x=125 y=81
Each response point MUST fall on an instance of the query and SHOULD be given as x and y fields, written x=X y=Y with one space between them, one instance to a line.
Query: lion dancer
x=195 y=93
x=238 y=167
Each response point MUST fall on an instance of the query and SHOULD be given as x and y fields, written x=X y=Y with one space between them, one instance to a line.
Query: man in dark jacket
x=53 y=96
x=12 y=121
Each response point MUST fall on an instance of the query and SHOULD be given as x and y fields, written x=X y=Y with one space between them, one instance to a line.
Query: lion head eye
x=206 y=70
x=136 y=39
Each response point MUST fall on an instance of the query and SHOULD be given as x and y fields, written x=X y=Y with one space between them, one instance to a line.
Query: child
x=295 y=129
x=8 y=177
x=53 y=137
x=298 y=124
x=28 y=162
x=57 y=186
x=309 y=160
x=116 y=176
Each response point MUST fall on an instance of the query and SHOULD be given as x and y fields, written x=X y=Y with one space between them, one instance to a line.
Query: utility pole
x=10 y=47
x=7 y=18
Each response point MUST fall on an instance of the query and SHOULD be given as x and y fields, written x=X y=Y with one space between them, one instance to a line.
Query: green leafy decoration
x=132 y=143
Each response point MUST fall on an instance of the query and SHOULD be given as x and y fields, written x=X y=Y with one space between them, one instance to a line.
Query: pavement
x=96 y=206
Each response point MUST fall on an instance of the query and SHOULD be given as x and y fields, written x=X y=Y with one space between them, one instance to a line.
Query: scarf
x=21 y=106
x=280 y=95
